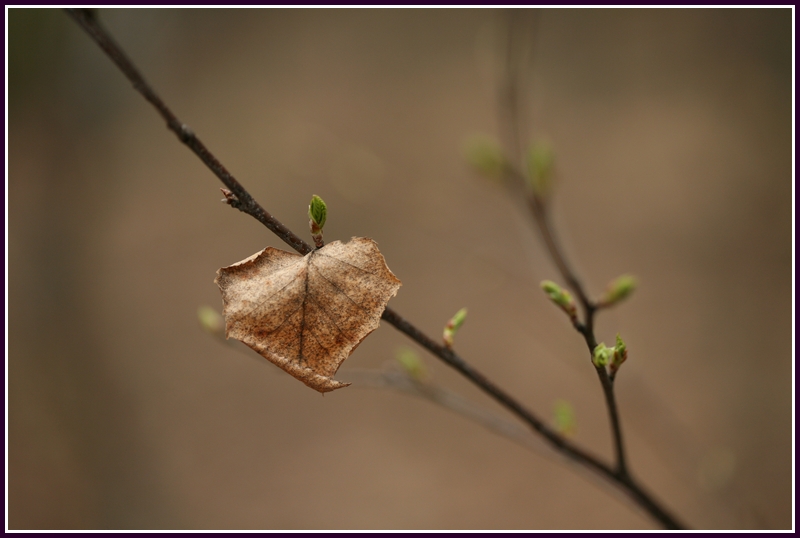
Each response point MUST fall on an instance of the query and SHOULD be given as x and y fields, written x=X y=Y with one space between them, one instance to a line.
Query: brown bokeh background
x=673 y=137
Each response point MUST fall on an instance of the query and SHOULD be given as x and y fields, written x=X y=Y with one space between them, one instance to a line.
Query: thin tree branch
x=586 y=328
x=239 y=198
x=510 y=109
x=538 y=210
x=243 y=202
x=509 y=105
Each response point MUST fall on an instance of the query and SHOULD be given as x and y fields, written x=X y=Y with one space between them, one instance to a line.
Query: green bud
x=411 y=363
x=317 y=211
x=210 y=320
x=564 y=417
x=540 y=160
x=485 y=155
x=453 y=325
x=619 y=356
x=551 y=288
x=458 y=319
x=560 y=297
x=620 y=349
x=618 y=290
x=553 y=291
x=601 y=355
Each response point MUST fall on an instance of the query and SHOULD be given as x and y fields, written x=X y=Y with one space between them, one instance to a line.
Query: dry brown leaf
x=307 y=314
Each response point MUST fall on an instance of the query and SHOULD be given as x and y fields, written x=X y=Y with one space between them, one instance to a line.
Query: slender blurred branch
x=399 y=381
x=237 y=196
x=509 y=111
x=519 y=45
x=388 y=378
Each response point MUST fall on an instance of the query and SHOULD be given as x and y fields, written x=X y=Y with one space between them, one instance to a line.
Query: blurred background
x=672 y=133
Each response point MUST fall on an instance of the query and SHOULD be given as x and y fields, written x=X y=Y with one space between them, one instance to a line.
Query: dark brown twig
x=239 y=198
x=538 y=210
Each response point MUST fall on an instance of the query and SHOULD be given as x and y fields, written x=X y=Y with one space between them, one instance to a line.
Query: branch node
x=230 y=198
x=186 y=133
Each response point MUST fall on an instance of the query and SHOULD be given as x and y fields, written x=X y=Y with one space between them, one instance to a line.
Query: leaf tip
x=318 y=211
x=620 y=355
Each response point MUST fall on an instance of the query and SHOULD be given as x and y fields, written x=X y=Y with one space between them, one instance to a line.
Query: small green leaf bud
x=618 y=290
x=453 y=325
x=619 y=356
x=621 y=349
x=540 y=160
x=411 y=363
x=485 y=155
x=564 y=416
x=317 y=213
x=210 y=320
x=560 y=297
x=601 y=355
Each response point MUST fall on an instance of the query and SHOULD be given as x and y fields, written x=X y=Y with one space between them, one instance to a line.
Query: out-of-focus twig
x=521 y=32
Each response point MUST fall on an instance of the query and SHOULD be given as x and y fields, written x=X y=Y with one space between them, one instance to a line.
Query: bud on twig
x=540 y=161
x=317 y=213
x=620 y=355
x=211 y=320
x=618 y=290
x=452 y=327
x=214 y=324
x=564 y=417
x=561 y=298
x=485 y=155
x=412 y=364
x=601 y=355
x=230 y=198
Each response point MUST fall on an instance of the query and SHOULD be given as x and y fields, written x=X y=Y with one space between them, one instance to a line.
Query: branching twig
x=538 y=210
x=243 y=201
x=509 y=105
x=509 y=108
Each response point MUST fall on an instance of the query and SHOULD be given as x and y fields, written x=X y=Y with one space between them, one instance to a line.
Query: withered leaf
x=307 y=314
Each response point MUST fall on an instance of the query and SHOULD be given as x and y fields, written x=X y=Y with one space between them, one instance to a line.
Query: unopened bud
x=453 y=325
x=540 y=168
x=618 y=290
x=560 y=297
x=564 y=416
x=210 y=320
x=411 y=363
x=317 y=213
x=485 y=155
x=619 y=356
x=601 y=355
x=230 y=198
